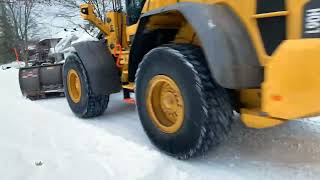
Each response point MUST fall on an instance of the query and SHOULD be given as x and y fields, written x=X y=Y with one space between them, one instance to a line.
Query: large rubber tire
x=208 y=110
x=90 y=105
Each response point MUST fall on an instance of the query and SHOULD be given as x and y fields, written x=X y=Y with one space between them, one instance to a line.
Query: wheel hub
x=165 y=104
x=74 y=86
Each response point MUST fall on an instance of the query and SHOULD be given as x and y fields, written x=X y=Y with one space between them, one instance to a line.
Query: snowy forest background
x=24 y=22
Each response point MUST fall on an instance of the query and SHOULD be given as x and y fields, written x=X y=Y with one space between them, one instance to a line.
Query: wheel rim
x=74 y=86
x=165 y=104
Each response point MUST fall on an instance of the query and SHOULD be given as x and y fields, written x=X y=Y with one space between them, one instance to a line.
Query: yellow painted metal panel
x=294 y=21
x=246 y=11
x=292 y=80
x=272 y=14
x=253 y=119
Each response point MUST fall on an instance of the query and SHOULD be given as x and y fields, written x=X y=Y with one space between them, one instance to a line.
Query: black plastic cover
x=229 y=51
x=102 y=71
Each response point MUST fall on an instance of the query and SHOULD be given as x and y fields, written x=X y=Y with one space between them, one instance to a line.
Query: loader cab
x=134 y=8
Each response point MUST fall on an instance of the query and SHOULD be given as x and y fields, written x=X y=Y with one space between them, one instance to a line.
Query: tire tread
x=215 y=100
x=96 y=104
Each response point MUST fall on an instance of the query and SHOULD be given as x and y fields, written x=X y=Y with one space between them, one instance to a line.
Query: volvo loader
x=193 y=63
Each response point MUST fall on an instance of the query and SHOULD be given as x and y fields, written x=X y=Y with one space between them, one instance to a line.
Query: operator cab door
x=272 y=26
x=134 y=9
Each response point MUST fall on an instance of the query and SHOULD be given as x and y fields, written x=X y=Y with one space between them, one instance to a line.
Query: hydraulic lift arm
x=87 y=13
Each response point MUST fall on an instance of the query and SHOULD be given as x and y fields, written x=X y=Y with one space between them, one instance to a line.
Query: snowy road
x=114 y=146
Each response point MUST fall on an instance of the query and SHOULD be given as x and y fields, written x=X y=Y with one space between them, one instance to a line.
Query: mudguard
x=230 y=55
x=100 y=66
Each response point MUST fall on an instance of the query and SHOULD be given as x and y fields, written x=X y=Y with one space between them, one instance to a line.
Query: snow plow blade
x=39 y=82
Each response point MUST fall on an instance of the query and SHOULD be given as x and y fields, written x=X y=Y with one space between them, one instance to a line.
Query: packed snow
x=44 y=140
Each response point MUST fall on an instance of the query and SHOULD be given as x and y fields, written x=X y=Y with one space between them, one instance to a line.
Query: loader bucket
x=41 y=81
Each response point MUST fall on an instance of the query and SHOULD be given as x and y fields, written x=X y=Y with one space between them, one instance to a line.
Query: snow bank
x=13 y=64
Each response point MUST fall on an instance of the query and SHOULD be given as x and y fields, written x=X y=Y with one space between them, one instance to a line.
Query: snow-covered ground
x=44 y=140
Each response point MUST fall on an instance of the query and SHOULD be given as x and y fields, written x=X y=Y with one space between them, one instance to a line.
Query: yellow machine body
x=291 y=86
x=246 y=10
x=292 y=80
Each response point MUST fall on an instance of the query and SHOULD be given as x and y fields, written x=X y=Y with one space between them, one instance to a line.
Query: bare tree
x=6 y=36
x=21 y=14
x=23 y=22
x=101 y=7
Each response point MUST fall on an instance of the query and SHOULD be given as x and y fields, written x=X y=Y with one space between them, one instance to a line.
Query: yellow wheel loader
x=192 y=63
